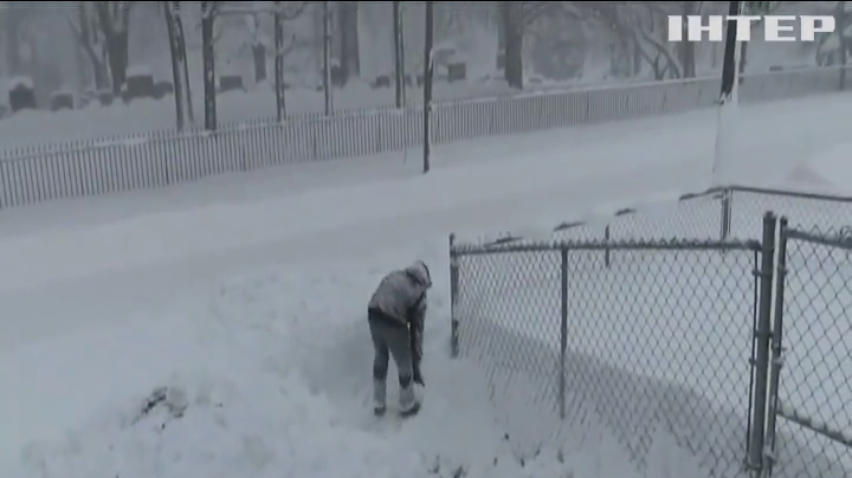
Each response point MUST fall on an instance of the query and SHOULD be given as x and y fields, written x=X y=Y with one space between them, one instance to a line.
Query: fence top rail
x=828 y=239
x=792 y=193
x=472 y=249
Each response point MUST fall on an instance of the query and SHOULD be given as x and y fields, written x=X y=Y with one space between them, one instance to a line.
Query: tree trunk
x=12 y=41
x=258 y=54
x=743 y=61
x=208 y=18
x=318 y=20
x=428 y=68
x=500 y=62
x=280 y=100
x=513 y=31
x=117 y=45
x=350 y=58
x=176 y=57
x=398 y=67
x=843 y=42
x=327 y=86
x=87 y=37
x=636 y=56
x=114 y=25
x=686 y=49
x=187 y=84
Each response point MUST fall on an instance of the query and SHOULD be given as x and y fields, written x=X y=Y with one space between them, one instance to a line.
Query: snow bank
x=273 y=374
x=274 y=377
x=658 y=208
x=18 y=81
x=521 y=184
x=829 y=169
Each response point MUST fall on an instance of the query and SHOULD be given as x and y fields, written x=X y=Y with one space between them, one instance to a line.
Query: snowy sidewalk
x=808 y=122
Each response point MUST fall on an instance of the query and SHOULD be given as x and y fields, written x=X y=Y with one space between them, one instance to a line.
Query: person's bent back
x=396 y=313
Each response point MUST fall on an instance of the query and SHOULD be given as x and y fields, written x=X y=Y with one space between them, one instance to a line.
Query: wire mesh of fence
x=807 y=210
x=692 y=215
x=580 y=321
x=811 y=425
x=657 y=342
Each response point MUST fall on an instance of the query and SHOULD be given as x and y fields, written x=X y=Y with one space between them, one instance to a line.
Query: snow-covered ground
x=246 y=295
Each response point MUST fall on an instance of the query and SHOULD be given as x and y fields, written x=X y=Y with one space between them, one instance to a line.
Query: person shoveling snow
x=396 y=314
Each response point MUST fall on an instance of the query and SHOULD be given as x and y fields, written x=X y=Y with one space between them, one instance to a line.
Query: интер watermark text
x=776 y=28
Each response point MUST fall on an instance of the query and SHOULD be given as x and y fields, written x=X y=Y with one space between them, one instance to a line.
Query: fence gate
x=809 y=428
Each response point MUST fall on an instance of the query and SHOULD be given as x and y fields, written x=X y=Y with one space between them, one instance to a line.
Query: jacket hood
x=420 y=272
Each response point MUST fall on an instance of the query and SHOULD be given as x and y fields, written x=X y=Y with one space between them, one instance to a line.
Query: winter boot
x=408 y=403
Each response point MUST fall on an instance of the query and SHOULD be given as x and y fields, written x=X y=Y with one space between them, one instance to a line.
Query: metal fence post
x=761 y=336
x=563 y=330
x=607 y=237
x=777 y=345
x=725 y=226
x=454 y=296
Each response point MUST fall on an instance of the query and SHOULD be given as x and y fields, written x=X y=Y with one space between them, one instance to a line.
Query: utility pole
x=726 y=113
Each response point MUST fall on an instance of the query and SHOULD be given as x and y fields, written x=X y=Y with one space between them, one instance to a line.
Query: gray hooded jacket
x=401 y=295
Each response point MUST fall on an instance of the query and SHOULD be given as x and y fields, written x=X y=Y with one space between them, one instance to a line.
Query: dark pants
x=391 y=338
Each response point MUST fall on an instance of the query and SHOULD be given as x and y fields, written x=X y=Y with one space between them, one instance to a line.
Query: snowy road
x=155 y=247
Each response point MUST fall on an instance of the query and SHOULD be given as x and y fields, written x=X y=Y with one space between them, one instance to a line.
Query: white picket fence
x=92 y=167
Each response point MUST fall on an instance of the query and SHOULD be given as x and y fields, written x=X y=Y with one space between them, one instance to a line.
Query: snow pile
x=274 y=377
x=20 y=82
x=215 y=426
x=829 y=169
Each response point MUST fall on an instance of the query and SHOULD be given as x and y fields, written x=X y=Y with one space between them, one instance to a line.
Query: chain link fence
x=826 y=212
x=739 y=351
x=810 y=423
x=660 y=341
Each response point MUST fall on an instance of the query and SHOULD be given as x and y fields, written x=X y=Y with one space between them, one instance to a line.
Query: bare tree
x=84 y=26
x=282 y=44
x=280 y=97
x=515 y=17
x=114 y=23
x=257 y=44
x=641 y=27
x=428 y=70
x=284 y=12
x=350 y=55
x=208 y=52
x=398 y=54
x=15 y=17
x=840 y=14
x=101 y=30
x=177 y=48
x=327 y=84
x=686 y=49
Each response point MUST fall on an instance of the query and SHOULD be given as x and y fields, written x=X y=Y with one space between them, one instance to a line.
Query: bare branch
x=531 y=11
x=288 y=14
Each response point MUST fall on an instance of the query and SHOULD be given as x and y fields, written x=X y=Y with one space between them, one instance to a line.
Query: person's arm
x=417 y=319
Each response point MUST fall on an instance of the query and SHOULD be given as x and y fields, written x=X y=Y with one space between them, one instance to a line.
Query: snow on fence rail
x=92 y=167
